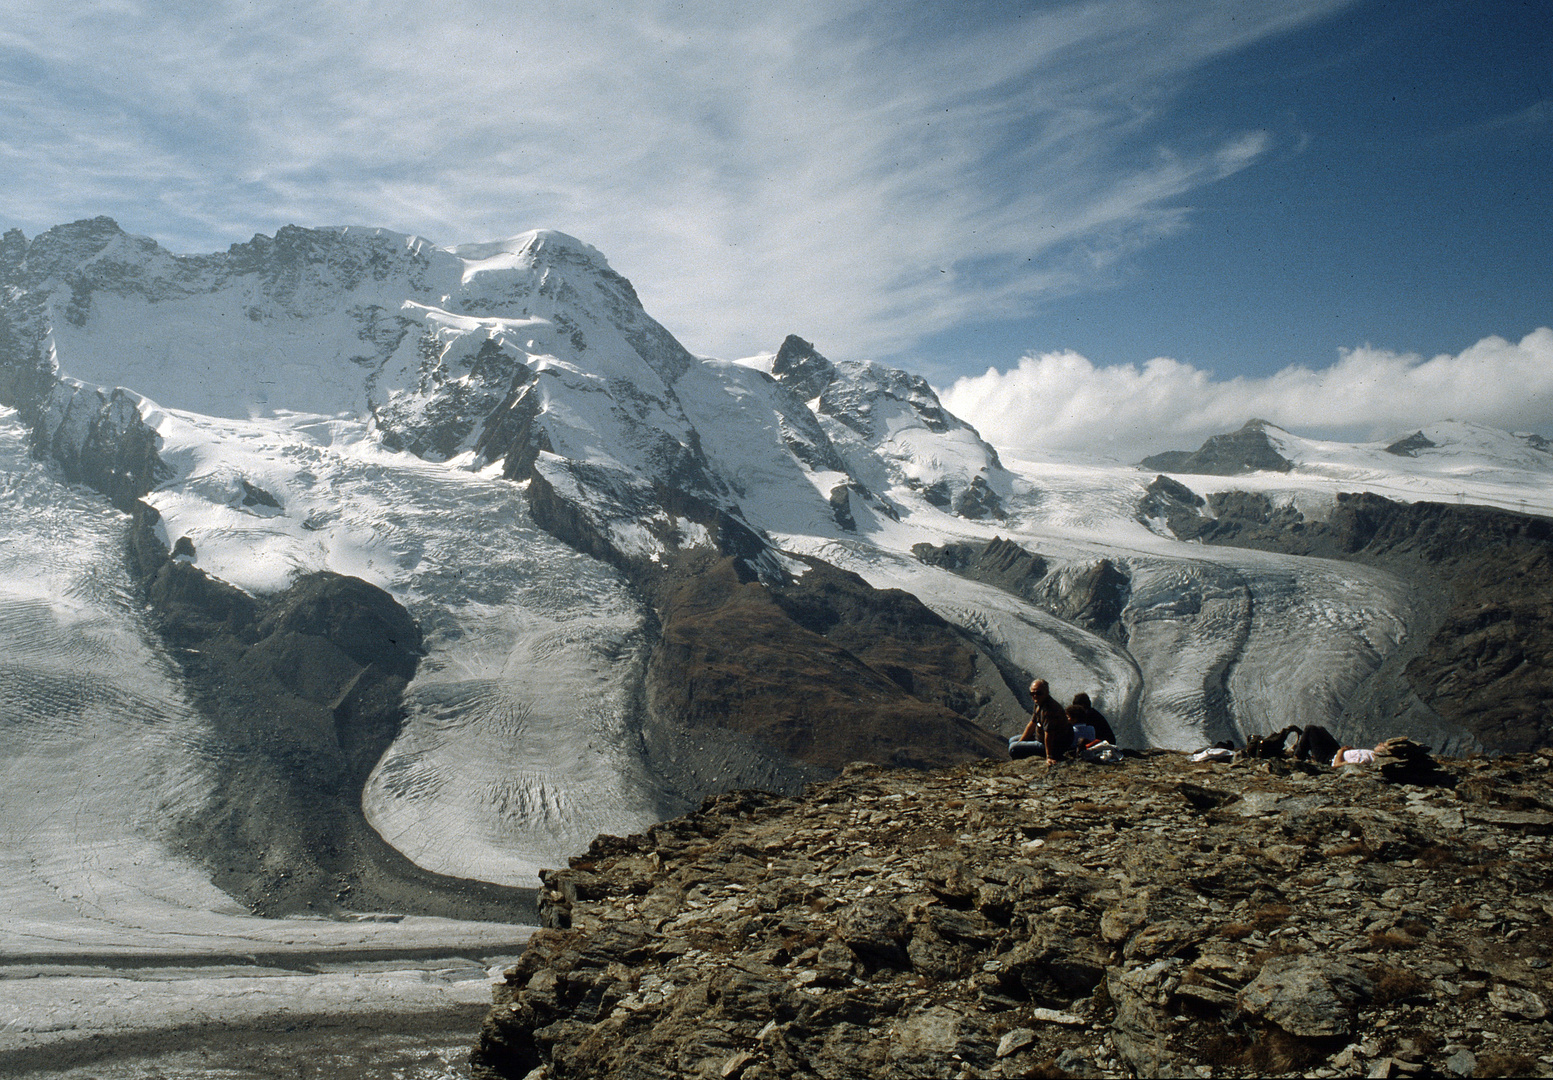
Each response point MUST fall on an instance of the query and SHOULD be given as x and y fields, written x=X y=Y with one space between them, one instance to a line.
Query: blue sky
x=1238 y=186
x=1403 y=200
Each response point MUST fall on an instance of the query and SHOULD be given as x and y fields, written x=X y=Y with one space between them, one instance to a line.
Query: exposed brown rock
x=822 y=669
x=1017 y=920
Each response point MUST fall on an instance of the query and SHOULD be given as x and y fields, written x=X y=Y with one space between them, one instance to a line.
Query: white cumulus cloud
x=1061 y=402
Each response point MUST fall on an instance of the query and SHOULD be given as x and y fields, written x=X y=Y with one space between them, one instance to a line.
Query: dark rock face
x=1172 y=500
x=1490 y=664
x=846 y=500
x=510 y=432
x=99 y=439
x=1409 y=445
x=1482 y=651
x=361 y=620
x=998 y=562
x=254 y=495
x=58 y=251
x=979 y=501
x=1093 y=597
x=1243 y=451
x=195 y=605
x=802 y=370
x=937 y=494
x=304 y=692
x=26 y=375
x=841 y=506
x=1012 y=920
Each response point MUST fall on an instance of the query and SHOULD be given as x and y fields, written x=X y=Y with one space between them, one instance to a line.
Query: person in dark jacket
x=1048 y=731
x=1082 y=712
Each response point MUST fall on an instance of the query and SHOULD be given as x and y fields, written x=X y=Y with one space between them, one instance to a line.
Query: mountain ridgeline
x=828 y=565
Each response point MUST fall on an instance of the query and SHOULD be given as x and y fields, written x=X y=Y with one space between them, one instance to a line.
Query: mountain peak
x=65 y=247
x=802 y=370
x=537 y=245
x=1248 y=449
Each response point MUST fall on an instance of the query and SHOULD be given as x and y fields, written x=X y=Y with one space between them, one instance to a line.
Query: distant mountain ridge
x=1448 y=445
x=450 y=350
x=1246 y=450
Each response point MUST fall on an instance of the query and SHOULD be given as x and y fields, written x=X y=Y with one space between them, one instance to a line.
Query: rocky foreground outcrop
x=1154 y=918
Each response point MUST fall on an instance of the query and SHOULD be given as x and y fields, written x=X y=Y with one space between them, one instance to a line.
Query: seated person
x=1048 y=731
x=1082 y=714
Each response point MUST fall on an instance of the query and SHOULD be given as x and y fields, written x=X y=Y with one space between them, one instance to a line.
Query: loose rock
x=894 y=923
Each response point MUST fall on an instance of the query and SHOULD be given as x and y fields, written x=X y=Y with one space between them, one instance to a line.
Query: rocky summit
x=1161 y=917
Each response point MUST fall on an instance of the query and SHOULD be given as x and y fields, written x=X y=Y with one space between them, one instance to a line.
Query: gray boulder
x=1310 y=996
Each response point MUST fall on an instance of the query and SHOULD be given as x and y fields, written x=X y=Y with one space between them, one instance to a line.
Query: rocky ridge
x=1157 y=918
x=1231 y=454
x=1092 y=596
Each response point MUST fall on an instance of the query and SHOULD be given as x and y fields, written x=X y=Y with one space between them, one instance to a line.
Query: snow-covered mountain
x=639 y=576
x=1447 y=461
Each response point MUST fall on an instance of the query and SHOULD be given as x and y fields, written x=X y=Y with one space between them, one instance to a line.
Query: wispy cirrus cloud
x=1536 y=116
x=1062 y=402
x=863 y=174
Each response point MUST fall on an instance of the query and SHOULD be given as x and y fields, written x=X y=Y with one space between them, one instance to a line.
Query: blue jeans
x=1018 y=749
